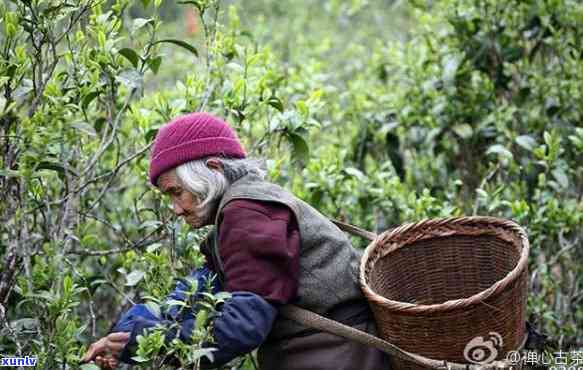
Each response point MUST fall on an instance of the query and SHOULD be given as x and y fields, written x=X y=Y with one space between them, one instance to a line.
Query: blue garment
x=204 y=279
x=135 y=321
x=242 y=322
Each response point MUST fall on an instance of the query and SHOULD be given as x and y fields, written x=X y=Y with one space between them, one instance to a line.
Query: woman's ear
x=214 y=164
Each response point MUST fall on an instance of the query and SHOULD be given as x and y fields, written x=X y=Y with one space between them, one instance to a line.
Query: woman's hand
x=106 y=363
x=106 y=350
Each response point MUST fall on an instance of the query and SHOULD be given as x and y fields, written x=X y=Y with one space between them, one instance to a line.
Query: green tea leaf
x=9 y=173
x=526 y=141
x=203 y=352
x=355 y=172
x=154 y=308
x=55 y=166
x=139 y=23
x=134 y=277
x=561 y=177
x=180 y=43
x=88 y=99
x=276 y=103
x=89 y=367
x=464 y=130
x=130 y=78
x=500 y=150
x=85 y=128
x=154 y=64
x=301 y=150
x=138 y=359
x=131 y=55
x=153 y=247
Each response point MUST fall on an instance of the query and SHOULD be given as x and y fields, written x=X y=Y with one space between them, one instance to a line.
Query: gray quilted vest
x=328 y=263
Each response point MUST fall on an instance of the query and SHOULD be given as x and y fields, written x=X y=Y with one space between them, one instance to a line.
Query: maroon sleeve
x=259 y=244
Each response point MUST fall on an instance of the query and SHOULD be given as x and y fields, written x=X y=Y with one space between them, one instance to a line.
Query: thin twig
x=91 y=303
x=111 y=283
x=43 y=83
x=80 y=188
x=116 y=169
x=565 y=248
x=488 y=177
x=6 y=324
x=139 y=244
x=115 y=126
x=116 y=230
x=74 y=20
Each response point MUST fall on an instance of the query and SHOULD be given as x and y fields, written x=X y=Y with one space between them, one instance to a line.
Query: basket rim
x=453 y=304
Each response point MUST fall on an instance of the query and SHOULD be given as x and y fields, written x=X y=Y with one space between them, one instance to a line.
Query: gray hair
x=210 y=185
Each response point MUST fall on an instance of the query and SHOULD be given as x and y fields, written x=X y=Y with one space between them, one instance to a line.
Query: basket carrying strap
x=315 y=321
x=354 y=230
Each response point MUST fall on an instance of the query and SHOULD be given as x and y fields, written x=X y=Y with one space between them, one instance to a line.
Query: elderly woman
x=268 y=248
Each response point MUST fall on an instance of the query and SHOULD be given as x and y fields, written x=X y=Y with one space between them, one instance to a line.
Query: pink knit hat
x=189 y=137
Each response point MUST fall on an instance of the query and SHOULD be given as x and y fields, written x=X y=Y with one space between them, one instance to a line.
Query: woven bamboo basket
x=449 y=289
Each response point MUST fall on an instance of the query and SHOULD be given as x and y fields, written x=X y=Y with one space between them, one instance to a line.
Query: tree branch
x=144 y=242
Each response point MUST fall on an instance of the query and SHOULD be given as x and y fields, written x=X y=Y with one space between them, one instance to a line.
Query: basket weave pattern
x=435 y=285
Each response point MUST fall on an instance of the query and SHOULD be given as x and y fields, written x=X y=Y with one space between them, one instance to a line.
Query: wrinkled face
x=184 y=203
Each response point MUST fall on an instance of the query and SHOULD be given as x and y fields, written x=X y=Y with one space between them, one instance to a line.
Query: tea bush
x=375 y=112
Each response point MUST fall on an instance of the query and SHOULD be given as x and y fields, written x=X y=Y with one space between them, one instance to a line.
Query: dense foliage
x=376 y=112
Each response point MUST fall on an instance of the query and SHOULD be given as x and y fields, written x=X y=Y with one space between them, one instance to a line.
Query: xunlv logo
x=18 y=361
